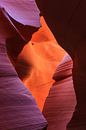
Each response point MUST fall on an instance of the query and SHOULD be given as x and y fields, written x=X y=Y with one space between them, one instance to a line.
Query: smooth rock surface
x=18 y=109
x=60 y=103
x=37 y=63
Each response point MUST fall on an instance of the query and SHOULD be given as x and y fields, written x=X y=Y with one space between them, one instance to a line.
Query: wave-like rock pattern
x=18 y=109
x=60 y=103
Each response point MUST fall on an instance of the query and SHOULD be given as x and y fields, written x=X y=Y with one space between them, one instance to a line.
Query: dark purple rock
x=67 y=21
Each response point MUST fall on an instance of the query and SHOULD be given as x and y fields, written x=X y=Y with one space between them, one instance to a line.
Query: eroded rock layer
x=60 y=103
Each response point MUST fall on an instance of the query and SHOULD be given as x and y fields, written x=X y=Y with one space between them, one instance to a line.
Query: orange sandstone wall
x=42 y=54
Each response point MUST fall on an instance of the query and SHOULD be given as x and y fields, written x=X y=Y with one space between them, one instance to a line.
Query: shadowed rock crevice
x=67 y=21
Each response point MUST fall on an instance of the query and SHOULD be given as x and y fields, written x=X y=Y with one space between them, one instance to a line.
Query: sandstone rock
x=67 y=21
x=18 y=109
x=37 y=63
x=60 y=103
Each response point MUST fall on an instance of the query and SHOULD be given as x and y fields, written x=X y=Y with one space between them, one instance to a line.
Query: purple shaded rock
x=64 y=69
x=25 y=12
x=60 y=103
x=18 y=109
